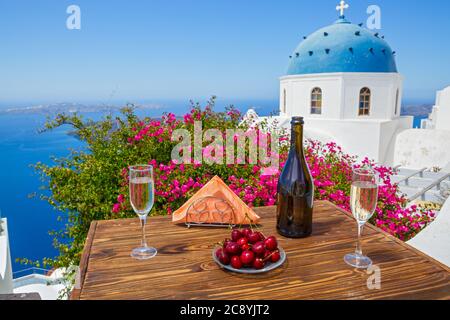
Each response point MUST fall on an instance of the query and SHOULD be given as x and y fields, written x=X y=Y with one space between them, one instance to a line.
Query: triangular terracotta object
x=215 y=203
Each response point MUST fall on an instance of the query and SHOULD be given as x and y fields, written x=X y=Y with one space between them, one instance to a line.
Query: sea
x=21 y=145
x=417 y=121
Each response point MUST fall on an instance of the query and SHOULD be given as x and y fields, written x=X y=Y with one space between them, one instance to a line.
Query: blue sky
x=182 y=49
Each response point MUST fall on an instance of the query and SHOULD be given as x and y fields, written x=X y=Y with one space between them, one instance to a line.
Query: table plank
x=75 y=294
x=183 y=268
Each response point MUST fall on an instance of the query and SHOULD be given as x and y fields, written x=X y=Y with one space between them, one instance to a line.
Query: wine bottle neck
x=297 y=138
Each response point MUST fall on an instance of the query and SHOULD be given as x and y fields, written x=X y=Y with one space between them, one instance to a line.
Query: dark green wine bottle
x=295 y=189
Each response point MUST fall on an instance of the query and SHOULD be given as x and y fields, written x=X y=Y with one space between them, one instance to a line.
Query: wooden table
x=183 y=268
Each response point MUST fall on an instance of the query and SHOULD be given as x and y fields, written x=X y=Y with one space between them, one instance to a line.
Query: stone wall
x=417 y=149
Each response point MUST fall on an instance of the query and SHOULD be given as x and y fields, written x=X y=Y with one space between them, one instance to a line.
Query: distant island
x=411 y=109
x=71 y=107
x=417 y=110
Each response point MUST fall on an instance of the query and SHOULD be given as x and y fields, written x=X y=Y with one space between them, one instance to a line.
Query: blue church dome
x=342 y=47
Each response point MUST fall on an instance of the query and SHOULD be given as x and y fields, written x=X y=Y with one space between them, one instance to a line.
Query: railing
x=415 y=173
x=421 y=193
x=28 y=271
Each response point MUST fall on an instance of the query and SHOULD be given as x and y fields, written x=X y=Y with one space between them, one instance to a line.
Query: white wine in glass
x=142 y=199
x=363 y=197
x=141 y=194
x=363 y=202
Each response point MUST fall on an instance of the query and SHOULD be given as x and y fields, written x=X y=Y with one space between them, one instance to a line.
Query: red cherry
x=236 y=235
x=254 y=237
x=262 y=236
x=223 y=257
x=226 y=242
x=245 y=247
x=242 y=241
x=246 y=232
x=236 y=262
x=233 y=248
x=271 y=243
x=275 y=256
x=259 y=249
x=258 y=264
x=247 y=257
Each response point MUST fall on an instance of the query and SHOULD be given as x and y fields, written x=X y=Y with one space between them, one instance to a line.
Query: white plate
x=269 y=266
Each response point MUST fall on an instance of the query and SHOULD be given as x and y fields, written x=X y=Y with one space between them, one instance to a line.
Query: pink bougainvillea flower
x=116 y=208
x=256 y=184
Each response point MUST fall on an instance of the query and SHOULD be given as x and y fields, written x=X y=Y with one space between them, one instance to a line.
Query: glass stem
x=358 y=243
x=143 y=222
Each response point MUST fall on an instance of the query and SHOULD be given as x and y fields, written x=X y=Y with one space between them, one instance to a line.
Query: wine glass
x=363 y=202
x=142 y=198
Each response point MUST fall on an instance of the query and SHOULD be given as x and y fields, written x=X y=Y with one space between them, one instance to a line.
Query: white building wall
x=439 y=118
x=340 y=95
x=372 y=139
x=355 y=137
x=383 y=88
x=442 y=112
x=389 y=130
x=299 y=89
x=6 y=283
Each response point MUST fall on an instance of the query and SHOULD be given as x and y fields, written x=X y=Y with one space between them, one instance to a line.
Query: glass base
x=144 y=253
x=358 y=261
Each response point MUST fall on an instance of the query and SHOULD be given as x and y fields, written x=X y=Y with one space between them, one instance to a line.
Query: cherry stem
x=270 y=255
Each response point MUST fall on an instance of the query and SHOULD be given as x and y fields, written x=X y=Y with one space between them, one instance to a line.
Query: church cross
x=341 y=7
